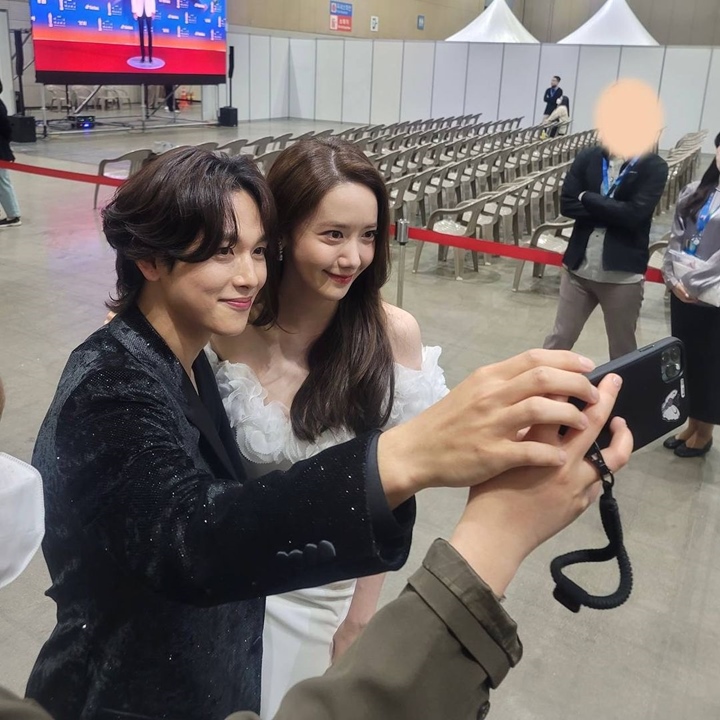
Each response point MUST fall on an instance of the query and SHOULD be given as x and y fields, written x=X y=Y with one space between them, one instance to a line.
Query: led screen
x=129 y=41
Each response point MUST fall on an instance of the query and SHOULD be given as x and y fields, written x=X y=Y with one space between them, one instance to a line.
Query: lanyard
x=569 y=593
x=705 y=216
x=607 y=190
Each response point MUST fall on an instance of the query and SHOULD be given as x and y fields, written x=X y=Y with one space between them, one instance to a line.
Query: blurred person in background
x=551 y=96
x=559 y=119
x=8 y=200
x=612 y=200
x=696 y=234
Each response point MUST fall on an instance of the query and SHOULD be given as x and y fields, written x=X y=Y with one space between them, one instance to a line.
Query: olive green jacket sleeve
x=13 y=708
x=433 y=653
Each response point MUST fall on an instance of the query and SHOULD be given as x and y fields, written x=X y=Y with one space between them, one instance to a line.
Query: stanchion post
x=402 y=229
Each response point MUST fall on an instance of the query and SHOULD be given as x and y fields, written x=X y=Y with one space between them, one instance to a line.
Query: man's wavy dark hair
x=179 y=207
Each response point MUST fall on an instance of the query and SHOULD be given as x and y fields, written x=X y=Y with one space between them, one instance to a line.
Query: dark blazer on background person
x=160 y=550
x=6 y=152
x=627 y=216
x=432 y=654
x=551 y=97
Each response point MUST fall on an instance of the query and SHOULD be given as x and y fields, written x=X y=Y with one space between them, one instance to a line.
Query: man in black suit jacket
x=612 y=201
x=552 y=95
x=159 y=548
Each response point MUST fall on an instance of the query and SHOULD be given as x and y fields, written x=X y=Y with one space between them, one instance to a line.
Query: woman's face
x=215 y=296
x=337 y=243
x=717 y=157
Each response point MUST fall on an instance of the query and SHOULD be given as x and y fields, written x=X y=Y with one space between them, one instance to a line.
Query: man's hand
x=509 y=516
x=471 y=435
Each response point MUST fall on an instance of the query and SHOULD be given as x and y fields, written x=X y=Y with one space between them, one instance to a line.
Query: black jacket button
x=326 y=550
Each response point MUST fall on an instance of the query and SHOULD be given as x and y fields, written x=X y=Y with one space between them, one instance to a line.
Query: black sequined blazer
x=160 y=550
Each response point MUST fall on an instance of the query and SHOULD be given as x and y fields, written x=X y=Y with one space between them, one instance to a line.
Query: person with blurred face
x=612 y=200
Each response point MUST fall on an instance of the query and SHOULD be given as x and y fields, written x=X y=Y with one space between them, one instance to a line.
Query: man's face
x=554 y=82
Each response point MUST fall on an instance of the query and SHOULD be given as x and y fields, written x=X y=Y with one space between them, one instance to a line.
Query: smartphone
x=654 y=395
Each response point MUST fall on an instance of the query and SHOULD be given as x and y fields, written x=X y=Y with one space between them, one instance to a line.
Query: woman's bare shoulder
x=405 y=337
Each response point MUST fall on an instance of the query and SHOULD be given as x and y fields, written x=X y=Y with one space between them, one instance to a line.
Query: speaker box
x=228 y=116
x=23 y=128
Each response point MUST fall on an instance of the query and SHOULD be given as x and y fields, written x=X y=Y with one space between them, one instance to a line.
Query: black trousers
x=143 y=22
x=170 y=99
x=698 y=326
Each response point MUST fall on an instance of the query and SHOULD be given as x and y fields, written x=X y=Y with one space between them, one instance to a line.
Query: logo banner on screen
x=129 y=41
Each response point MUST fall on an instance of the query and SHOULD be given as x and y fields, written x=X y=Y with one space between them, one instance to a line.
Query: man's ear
x=149 y=269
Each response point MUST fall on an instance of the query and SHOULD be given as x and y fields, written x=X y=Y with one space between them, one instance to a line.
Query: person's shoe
x=673 y=442
x=10 y=222
x=683 y=451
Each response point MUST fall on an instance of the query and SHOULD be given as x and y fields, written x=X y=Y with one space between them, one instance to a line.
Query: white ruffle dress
x=300 y=625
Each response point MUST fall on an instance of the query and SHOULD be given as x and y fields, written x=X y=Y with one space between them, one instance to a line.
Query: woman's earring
x=280 y=253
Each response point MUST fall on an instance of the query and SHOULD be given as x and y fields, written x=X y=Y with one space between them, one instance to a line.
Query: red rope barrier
x=62 y=174
x=488 y=247
x=514 y=252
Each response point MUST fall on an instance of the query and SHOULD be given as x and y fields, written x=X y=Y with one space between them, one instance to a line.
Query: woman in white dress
x=324 y=360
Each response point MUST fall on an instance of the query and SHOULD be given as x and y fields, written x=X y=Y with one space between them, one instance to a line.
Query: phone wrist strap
x=569 y=593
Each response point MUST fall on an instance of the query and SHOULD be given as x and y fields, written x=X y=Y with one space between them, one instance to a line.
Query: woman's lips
x=340 y=279
x=241 y=304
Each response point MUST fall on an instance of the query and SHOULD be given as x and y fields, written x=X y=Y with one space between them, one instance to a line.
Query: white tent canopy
x=497 y=24
x=613 y=24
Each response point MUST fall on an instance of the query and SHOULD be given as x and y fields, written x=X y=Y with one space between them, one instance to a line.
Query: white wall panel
x=482 y=91
x=329 y=80
x=642 y=63
x=519 y=83
x=259 y=77
x=598 y=68
x=450 y=78
x=386 y=81
x=241 y=76
x=302 y=79
x=682 y=91
x=711 y=112
x=279 y=77
x=357 y=81
x=559 y=60
x=6 y=63
x=417 y=81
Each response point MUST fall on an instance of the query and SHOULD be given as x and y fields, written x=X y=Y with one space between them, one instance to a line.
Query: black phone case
x=651 y=405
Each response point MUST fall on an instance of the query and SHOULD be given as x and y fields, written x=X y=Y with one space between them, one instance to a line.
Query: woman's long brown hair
x=351 y=379
x=694 y=204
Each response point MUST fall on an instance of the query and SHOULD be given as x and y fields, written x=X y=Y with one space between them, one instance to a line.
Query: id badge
x=692 y=246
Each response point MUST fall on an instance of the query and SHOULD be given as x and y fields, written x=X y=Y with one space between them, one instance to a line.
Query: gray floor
x=655 y=658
